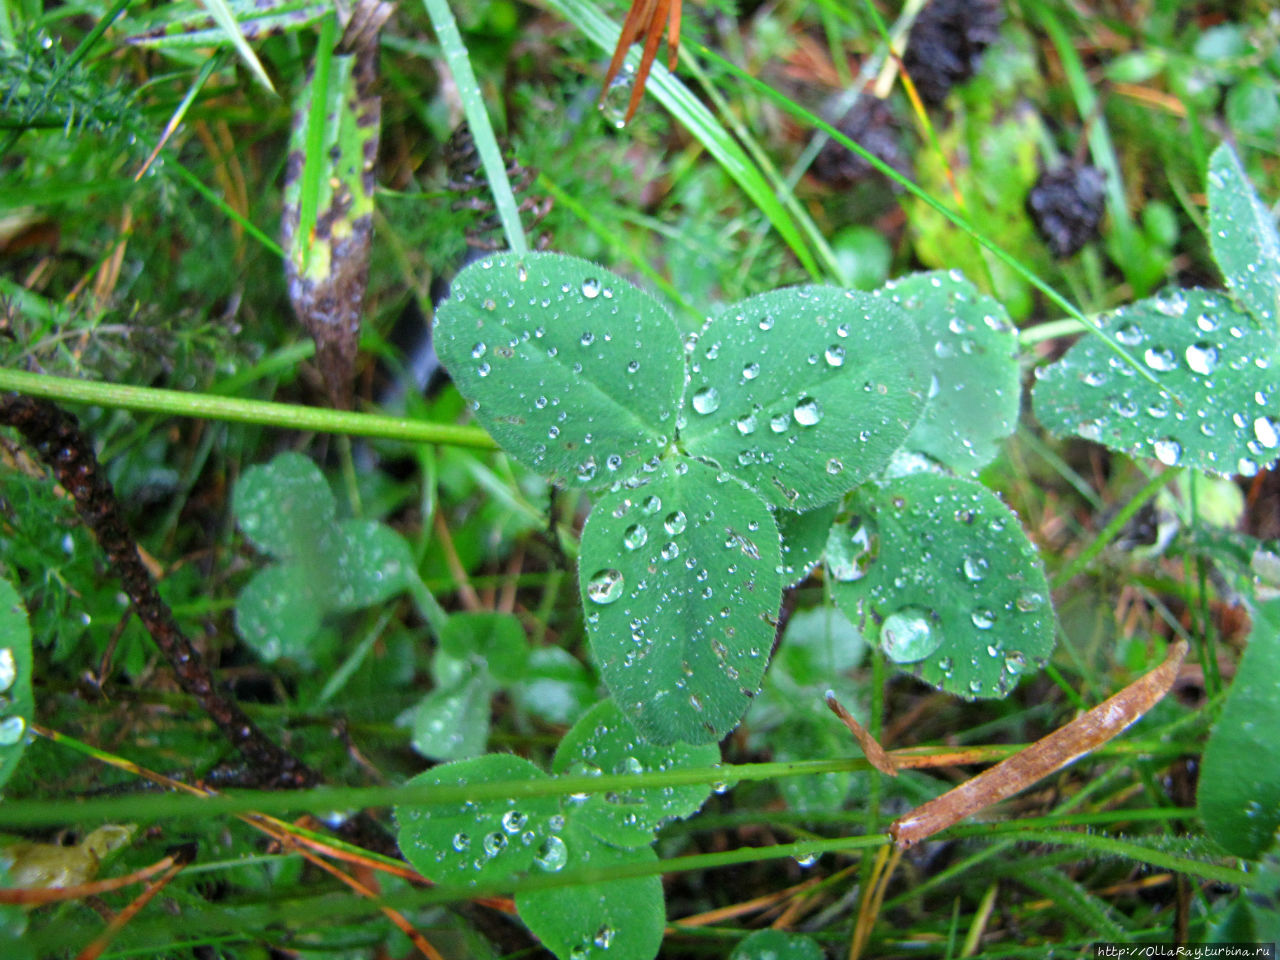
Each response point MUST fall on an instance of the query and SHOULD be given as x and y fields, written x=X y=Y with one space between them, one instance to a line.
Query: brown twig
x=58 y=441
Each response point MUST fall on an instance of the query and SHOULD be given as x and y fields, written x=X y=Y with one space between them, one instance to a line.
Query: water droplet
x=8 y=669
x=706 y=400
x=908 y=635
x=1267 y=431
x=633 y=366
x=1168 y=451
x=975 y=568
x=750 y=371
x=670 y=550
x=1029 y=600
x=779 y=423
x=635 y=537
x=1202 y=358
x=806 y=860
x=587 y=338
x=852 y=549
x=807 y=411
x=513 y=821
x=605 y=586
x=604 y=936
x=461 y=842
x=651 y=506
x=1130 y=334
x=835 y=355
x=478 y=351
x=983 y=618
x=766 y=322
x=1160 y=359
x=552 y=855
x=747 y=424
x=675 y=522
x=495 y=843
x=835 y=467
x=591 y=288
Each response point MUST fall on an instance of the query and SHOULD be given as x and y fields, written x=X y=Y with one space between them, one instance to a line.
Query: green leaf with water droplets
x=1217 y=406
x=604 y=741
x=487 y=841
x=1239 y=794
x=680 y=584
x=452 y=722
x=946 y=582
x=573 y=370
x=777 y=945
x=1243 y=237
x=607 y=919
x=287 y=510
x=17 y=702
x=804 y=393
x=975 y=391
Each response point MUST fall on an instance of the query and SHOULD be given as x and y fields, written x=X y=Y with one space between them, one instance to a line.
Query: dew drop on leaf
x=591 y=288
x=808 y=412
x=605 y=586
x=635 y=537
x=835 y=355
x=8 y=669
x=851 y=549
x=706 y=400
x=750 y=371
x=908 y=635
x=1160 y=359
x=11 y=730
x=675 y=522
x=1267 y=431
x=1168 y=451
x=1202 y=357
x=552 y=855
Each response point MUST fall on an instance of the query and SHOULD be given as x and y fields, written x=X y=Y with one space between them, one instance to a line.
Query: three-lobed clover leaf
x=787 y=400
x=325 y=566
x=1244 y=239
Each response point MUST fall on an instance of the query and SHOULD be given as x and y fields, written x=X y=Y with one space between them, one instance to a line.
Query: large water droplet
x=975 y=567
x=591 y=288
x=1160 y=359
x=513 y=821
x=478 y=351
x=852 y=549
x=635 y=537
x=746 y=424
x=1267 y=431
x=8 y=669
x=1202 y=357
x=1130 y=334
x=706 y=400
x=750 y=371
x=461 y=842
x=835 y=355
x=11 y=730
x=1168 y=451
x=807 y=411
x=983 y=618
x=495 y=843
x=675 y=522
x=605 y=586
x=909 y=635
x=779 y=423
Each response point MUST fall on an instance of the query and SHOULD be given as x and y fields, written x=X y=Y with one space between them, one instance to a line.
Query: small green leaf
x=604 y=741
x=1243 y=237
x=284 y=506
x=17 y=702
x=804 y=735
x=804 y=393
x=618 y=919
x=277 y=613
x=1239 y=795
x=818 y=646
x=777 y=945
x=555 y=686
x=680 y=584
x=804 y=537
x=1214 y=359
x=947 y=584
x=573 y=370
x=452 y=723
x=495 y=639
x=374 y=564
x=490 y=841
x=975 y=391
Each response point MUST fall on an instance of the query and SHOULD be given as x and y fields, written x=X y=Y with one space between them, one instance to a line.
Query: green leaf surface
x=490 y=841
x=777 y=945
x=947 y=584
x=804 y=537
x=495 y=639
x=975 y=391
x=452 y=723
x=607 y=920
x=804 y=393
x=17 y=702
x=1239 y=795
x=1243 y=237
x=277 y=613
x=555 y=686
x=819 y=645
x=679 y=580
x=574 y=371
x=1220 y=367
x=604 y=741
x=284 y=506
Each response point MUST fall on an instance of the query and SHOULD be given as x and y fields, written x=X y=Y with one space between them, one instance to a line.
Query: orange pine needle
x=647 y=17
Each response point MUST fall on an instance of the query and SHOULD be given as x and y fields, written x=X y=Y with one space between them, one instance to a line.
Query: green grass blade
x=455 y=54
x=225 y=19
x=699 y=121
